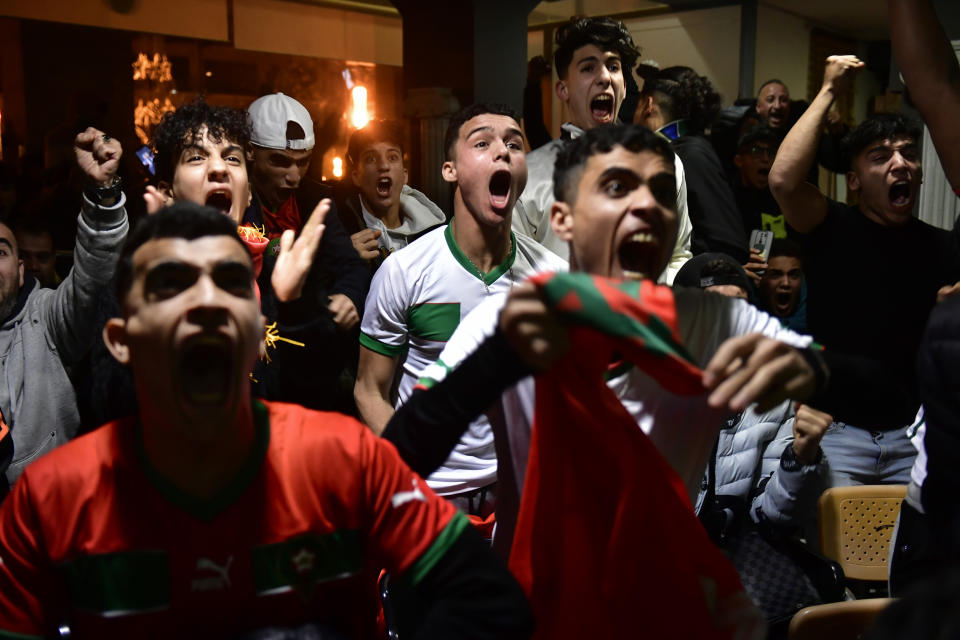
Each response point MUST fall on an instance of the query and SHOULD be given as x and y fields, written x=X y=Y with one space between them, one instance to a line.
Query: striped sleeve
x=384 y=326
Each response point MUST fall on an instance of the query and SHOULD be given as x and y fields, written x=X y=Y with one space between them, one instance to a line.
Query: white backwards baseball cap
x=280 y=122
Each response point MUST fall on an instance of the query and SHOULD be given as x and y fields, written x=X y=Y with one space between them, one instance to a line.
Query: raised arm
x=802 y=204
x=932 y=74
x=69 y=312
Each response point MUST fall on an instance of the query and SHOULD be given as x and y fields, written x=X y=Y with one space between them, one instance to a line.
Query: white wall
x=300 y=29
x=783 y=49
x=707 y=40
x=208 y=18
x=274 y=26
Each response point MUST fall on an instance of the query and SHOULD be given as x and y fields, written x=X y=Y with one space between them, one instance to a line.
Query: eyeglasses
x=759 y=152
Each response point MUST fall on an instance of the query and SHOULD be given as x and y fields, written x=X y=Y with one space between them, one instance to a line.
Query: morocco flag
x=606 y=542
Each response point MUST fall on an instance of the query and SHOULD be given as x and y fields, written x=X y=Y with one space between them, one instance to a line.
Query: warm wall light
x=359 y=116
x=338 y=167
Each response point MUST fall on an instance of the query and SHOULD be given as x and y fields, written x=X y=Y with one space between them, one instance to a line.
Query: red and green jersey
x=92 y=536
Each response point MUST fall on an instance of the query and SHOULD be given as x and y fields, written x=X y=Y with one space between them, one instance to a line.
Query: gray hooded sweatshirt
x=50 y=330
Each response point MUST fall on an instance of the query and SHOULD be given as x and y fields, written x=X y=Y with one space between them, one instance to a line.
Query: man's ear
x=561 y=90
x=406 y=175
x=249 y=155
x=853 y=181
x=115 y=337
x=262 y=349
x=449 y=171
x=20 y=263
x=166 y=189
x=738 y=161
x=561 y=219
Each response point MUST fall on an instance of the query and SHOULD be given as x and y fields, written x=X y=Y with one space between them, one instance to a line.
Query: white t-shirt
x=683 y=428
x=417 y=298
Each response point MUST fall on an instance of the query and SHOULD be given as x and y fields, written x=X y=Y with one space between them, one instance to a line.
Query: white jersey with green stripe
x=417 y=298
x=683 y=428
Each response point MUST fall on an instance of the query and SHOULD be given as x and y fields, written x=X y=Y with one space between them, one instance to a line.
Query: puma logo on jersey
x=403 y=497
x=212 y=583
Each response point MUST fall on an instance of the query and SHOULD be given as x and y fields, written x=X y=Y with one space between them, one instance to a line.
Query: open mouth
x=783 y=300
x=638 y=255
x=383 y=187
x=500 y=189
x=220 y=200
x=205 y=369
x=601 y=108
x=900 y=193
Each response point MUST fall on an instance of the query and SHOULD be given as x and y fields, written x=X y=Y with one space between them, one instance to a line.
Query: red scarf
x=606 y=543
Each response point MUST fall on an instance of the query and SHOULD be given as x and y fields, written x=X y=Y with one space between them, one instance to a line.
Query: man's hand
x=809 y=425
x=365 y=242
x=538 y=337
x=755 y=368
x=98 y=156
x=344 y=312
x=155 y=199
x=296 y=255
x=838 y=75
x=947 y=291
x=755 y=266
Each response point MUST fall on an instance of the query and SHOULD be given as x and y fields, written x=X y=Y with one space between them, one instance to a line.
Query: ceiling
x=860 y=19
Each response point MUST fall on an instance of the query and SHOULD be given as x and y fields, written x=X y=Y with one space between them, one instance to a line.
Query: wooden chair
x=856 y=524
x=836 y=620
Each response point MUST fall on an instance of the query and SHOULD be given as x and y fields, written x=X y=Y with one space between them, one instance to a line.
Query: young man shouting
x=420 y=294
x=211 y=514
x=591 y=58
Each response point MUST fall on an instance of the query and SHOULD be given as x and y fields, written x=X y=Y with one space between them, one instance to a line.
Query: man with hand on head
x=864 y=262
x=43 y=332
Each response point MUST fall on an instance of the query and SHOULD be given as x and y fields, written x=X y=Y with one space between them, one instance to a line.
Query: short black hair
x=181 y=128
x=389 y=131
x=760 y=133
x=186 y=220
x=468 y=113
x=573 y=156
x=682 y=94
x=711 y=270
x=772 y=81
x=785 y=247
x=882 y=126
x=607 y=34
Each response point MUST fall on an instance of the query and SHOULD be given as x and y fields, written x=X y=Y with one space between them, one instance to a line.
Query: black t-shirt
x=716 y=221
x=871 y=288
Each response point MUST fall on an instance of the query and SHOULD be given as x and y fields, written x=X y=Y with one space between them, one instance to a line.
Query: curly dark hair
x=573 y=156
x=882 y=126
x=682 y=94
x=468 y=113
x=181 y=128
x=606 y=33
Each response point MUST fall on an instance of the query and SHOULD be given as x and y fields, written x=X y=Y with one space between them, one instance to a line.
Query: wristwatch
x=104 y=196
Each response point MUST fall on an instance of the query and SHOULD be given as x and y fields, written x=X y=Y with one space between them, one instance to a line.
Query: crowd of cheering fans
x=276 y=408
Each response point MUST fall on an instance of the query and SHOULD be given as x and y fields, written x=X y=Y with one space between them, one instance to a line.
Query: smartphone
x=762 y=241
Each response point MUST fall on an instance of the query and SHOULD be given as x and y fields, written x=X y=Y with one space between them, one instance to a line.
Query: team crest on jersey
x=211 y=576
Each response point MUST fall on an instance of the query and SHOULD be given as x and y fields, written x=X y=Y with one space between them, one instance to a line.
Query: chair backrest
x=855 y=527
x=837 y=620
